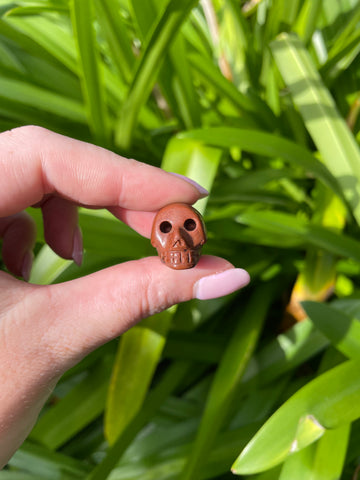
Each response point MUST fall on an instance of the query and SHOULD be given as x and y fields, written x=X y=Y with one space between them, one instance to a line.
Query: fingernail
x=26 y=265
x=77 y=254
x=220 y=284
x=203 y=192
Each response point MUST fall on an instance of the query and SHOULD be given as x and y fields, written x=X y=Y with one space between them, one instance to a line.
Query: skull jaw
x=180 y=259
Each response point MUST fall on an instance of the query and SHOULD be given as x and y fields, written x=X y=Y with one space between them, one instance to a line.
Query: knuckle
x=154 y=296
x=32 y=131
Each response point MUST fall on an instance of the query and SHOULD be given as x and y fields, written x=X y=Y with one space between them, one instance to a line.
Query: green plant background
x=258 y=101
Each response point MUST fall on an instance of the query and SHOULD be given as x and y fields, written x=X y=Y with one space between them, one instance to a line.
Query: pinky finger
x=19 y=234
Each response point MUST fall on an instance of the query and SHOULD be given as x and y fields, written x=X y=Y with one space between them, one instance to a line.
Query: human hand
x=45 y=330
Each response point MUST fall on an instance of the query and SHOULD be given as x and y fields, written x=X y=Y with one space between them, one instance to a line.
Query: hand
x=44 y=330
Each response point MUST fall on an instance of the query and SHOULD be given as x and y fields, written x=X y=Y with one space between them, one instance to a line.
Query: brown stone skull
x=178 y=233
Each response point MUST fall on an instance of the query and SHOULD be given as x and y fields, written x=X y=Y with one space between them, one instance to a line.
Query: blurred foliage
x=258 y=101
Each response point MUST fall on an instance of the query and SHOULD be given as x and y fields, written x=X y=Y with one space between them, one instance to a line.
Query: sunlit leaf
x=328 y=402
x=342 y=330
x=328 y=129
x=138 y=354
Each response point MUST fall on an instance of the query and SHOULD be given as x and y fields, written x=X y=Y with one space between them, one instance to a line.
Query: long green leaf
x=74 y=412
x=182 y=84
x=168 y=464
x=250 y=106
x=48 y=266
x=156 y=397
x=342 y=330
x=328 y=129
x=10 y=31
x=159 y=42
x=90 y=68
x=285 y=353
x=227 y=378
x=322 y=460
x=307 y=19
x=196 y=161
x=266 y=144
x=297 y=228
x=114 y=29
x=21 y=92
x=45 y=463
x=330 y=401
x=42 y=35
x=139 y=352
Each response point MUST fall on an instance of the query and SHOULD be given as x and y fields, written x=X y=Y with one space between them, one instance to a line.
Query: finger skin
x=35 y=162
x=18 y=233
x=73 y=319
x=60 y=219
x=141 y=222
x=120 y=295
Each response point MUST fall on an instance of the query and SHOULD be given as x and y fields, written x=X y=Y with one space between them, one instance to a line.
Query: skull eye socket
x=165 y=227
x=189 y=224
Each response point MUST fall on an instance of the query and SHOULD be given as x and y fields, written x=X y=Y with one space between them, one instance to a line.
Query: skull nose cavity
x=178 y=241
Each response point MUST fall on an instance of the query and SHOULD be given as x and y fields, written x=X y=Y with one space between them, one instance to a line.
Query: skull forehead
x=176 y=213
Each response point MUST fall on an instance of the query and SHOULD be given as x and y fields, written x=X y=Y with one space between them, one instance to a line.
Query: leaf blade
x=329 y=401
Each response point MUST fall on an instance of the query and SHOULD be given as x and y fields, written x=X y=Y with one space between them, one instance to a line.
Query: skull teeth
x=178 y=258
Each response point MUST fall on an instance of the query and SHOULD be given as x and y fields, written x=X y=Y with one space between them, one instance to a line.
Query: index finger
x=35 y=162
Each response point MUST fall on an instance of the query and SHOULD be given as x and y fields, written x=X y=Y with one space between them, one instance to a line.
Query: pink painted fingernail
x=220 y=284
x=26 y=265
x=203 y=192
x=77 y=254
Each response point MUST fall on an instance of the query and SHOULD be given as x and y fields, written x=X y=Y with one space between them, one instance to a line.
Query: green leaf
x=9 y=31
x=144 y=15
x=113 y=27
x=344 y=35
x=250 y=106
x=228 y=377
x=90 y=68
x=43 y=37
x=329 y=401
x=21 y=92
x=70 y=415
x=307 y=19
x=173 y=376
x=47 y=266
x=284 y=353
x=138 y=354
x=194 y=160
x=341 y=329
x=298 y=228
x=9 y=475
x=328 y=129
x=265 y=144
x=182 y=84
x=36 y=10
x=103 y=232
x=164 y=32
x=45 y=463
x=318 y=461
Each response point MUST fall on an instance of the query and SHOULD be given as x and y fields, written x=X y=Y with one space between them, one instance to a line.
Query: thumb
x=95 y=309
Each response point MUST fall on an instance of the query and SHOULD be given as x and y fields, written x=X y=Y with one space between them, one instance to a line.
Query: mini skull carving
x=178 y=233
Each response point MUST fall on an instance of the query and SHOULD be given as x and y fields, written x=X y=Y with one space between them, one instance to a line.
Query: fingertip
x=60 y=218
x=221 y=284
x=19 y=235
x=77 y=254
x=201 y=190
x=27 y=263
